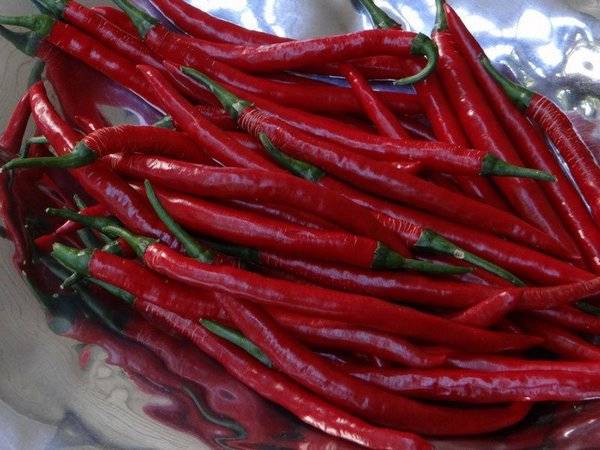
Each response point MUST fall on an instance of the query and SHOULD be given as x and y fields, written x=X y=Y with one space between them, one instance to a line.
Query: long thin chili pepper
x=355 y=309
x=204 y=181
x=365 y=400
x=287 y=55
x=12 y=136
x=533 y=147
x=96 y=179
x=561 y=341
x=121 y=139
x=485 y=387
x=445 y=124
x=485 y=132
x=281 y=390
x=326 y=334
x=117 y=17
x=559 y=128
x=572 y=318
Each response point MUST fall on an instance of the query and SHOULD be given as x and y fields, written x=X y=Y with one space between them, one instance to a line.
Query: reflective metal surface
x=56 y=393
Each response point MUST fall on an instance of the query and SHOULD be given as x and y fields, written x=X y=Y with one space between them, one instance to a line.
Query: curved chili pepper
x=559 y=128
x=281 y=390
x=534 y=149
x=323 y=202
x=360 y=398
x=327 y=334
x=485 y=132
x=96 y=179
x=216 y=143
x=444 y=122
x=354 y=309
x=120 y=139
x=561 y=341
x=12 y=136
x=484 y=387
x=290 y=54
x=493 y=363
x=488 y=312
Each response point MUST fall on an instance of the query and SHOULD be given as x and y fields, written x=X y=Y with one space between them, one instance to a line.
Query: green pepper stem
x=72 y=258
x=81 y=155
x=143 y=21
x=493 y=166
x=441 y=19
x=231 y=103
x=165 y=122
x=37 y=70
x=95 y=222
x=387 y=259
x=237 y=339
x=139 y=244
x=114 y=249
x=378 y=16
x=297 y=167
x=192 y=247
x=27 y=42
x=519 y=95
x=423 y=46
x=41 y=140
x=432 y=241
x=54 y=8
x=39 y=24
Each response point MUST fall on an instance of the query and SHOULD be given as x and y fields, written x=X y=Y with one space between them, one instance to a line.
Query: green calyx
x=139 y=244
x=493 y=166
x=519 y=95
x=54 y=8
x=299 y=168
x=431 y=241
x=387 y=259
x=441 y=19
x=192 y=248
x=27 y=42
x=72 y=258
x=423 y=46
x=231 y=103
x=237 y=339
x=378 y=16
x=39 y=24
x=81 y=155
x=143 y=21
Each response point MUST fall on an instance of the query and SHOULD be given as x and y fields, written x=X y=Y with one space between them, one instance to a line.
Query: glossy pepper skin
x=485 y=132
x=533 y=149
x=471 y=386
x=96 y=179
x=281 y=390
x=368 y=401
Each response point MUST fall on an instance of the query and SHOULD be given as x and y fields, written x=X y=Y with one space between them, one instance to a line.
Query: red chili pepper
x=122 y=139
x=354 y=309
x=117 y=17
x=286 y=55
x=561 y=341
x=281 y=390
x=99 y=182
x=216 y=143
x=326 y=334
x=485 y=132
x=495 y=363
x=571 y=318
x=374 y=108
x=484 y=387
x=446 y=125
x=368 y=401
x=12 y=136
x=488 y=312
x=533 y=149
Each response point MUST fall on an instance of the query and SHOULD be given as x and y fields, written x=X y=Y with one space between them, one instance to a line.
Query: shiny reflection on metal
x=49 y=400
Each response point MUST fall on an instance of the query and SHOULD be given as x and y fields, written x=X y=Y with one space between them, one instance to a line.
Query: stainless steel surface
x=48 y=401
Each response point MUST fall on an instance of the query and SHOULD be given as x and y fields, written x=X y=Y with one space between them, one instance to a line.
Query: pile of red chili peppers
x=383 y=265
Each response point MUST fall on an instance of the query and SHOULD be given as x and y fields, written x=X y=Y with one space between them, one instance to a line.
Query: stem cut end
x=424 y=46
x=232 y=103
x=493 y=166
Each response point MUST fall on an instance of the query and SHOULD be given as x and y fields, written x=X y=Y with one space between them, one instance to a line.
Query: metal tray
x=56 y=393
